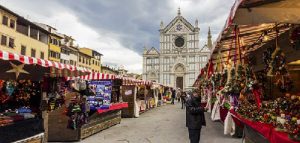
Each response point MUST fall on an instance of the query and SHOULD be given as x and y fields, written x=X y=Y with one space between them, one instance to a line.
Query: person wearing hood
x=195 y=118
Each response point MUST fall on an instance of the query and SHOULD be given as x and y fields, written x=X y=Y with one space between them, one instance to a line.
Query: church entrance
x=179 y=70
x=179 y=82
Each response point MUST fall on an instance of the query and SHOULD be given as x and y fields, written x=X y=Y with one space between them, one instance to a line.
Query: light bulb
x=243 y=52
x=266 y=38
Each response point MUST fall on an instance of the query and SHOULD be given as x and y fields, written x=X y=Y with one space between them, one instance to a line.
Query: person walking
x=178 y=95
x=195 y=118
x=183 y=99
x=173 y=96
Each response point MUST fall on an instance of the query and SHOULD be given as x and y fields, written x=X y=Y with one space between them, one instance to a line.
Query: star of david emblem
x=179 y=27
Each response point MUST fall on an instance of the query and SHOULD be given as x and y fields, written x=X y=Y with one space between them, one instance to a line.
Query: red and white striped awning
x=95 y=76
x=54 y=66
x=133 y=81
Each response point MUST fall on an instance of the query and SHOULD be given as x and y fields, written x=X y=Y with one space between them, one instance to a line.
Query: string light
x=266 y=37
x=243 y=52
x=242 y=41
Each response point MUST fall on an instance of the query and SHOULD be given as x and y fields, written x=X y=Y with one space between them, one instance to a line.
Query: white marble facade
x=179 y=59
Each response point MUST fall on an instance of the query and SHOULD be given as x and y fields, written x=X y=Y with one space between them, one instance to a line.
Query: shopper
x=183 y=97
x=178 y=94
x=173 y=95
x=194 y=117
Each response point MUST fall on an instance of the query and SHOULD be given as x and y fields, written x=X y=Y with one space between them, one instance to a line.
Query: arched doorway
x=152 y=76
x=179 y=75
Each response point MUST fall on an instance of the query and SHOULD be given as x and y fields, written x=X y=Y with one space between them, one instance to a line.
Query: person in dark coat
x=183 y=99
x=194 y=117
x=173 y=96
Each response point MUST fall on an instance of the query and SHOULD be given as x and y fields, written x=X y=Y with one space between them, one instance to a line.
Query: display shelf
x=260 y=132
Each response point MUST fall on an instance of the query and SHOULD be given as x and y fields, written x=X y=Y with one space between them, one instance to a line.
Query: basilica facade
x=178 y=60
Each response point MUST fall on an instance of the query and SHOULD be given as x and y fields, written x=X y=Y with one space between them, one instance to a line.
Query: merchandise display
x=91 y=105
x=283 y=114
x=260 y=57
x=20 y=100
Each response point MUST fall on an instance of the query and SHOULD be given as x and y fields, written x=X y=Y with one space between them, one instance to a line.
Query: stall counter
x=265 y=131
x=100 y=120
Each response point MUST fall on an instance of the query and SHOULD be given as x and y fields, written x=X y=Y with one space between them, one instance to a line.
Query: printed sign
x=102 y=91
x=128 y=92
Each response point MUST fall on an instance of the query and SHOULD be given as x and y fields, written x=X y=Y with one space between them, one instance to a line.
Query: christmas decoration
x=295 y=37
x=275 y=66
x=283 y=114
x=18 y=69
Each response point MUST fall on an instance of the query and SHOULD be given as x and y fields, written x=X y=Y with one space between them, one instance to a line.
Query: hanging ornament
x=295 y=37
x=10 y=88
x=18 y=69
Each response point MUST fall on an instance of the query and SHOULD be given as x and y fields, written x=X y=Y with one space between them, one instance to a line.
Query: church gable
x=153 y=51
x=180 y=25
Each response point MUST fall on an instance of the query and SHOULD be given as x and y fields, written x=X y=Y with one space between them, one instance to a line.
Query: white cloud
x=112 y=49
x=106 y=43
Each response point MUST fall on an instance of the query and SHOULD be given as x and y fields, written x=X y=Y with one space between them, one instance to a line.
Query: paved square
x=161 y=125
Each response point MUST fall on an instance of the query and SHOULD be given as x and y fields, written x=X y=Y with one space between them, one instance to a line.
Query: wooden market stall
x=134 y=93
x=158 y=90
x=254 y=70
x=94 y=105
x=23 y=96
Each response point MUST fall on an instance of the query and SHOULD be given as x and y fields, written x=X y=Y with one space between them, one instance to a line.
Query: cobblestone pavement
x=164 y=124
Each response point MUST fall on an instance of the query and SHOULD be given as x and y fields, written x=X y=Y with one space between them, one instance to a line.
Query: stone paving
x=165 y=124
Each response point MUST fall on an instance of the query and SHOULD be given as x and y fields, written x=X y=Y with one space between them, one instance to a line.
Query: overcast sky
x=119 y=29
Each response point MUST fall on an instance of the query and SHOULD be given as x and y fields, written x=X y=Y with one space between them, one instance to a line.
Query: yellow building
x=84 y=60
x=20 y=36
x=92 y=57
x=54 y=43
x=54 y=48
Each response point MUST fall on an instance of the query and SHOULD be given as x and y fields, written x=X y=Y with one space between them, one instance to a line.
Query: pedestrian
x=178 y=95
x=183 y=97
x=195 y=118
x=173 y=96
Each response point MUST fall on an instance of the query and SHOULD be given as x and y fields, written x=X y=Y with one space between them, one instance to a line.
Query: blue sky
x=119 y=29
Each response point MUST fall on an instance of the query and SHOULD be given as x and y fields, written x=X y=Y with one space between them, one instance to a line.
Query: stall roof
x=133 y=81
x=7 y=56
x=251 y=38
x=254 y=17
x=95 y=76
x=102 y=76
x=254 y=12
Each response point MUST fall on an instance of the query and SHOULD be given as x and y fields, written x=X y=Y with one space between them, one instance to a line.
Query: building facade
x=109 y=70
x=21 y=36
x=69 y=52
x=90 y=59
x=122 y=71
x=179 y=59
x=54 y=43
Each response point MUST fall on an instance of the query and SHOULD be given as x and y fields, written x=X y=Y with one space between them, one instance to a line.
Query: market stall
x=158 y=94
x=23 y=98
x=133 y=92
x=258 y=54
x=167 y=94
x=92 y=105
